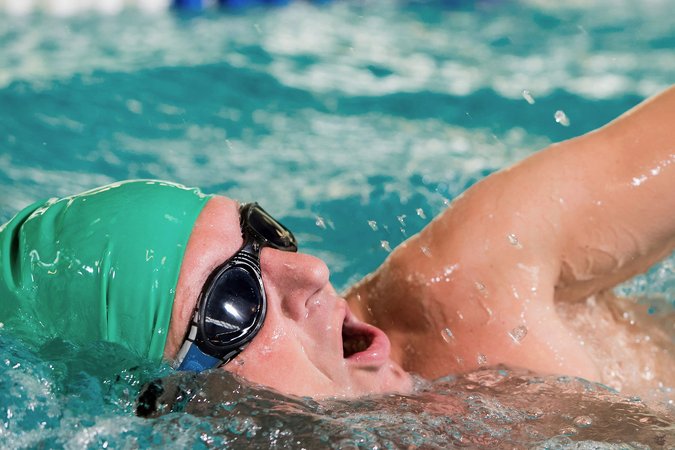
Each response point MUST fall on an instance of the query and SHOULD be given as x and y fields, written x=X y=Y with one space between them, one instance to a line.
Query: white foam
x=345 y=51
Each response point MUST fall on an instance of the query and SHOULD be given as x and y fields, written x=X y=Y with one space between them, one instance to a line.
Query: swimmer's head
x=101 y=265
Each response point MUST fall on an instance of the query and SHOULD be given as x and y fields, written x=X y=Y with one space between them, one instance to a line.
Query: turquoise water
x=355 y=123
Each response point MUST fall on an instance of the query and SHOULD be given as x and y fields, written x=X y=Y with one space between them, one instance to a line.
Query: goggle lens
x=234 y=304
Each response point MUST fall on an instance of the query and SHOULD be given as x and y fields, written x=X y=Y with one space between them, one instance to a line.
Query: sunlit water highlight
x=354 y=123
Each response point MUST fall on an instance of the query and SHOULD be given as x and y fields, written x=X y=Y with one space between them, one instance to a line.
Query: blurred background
x=354 y=121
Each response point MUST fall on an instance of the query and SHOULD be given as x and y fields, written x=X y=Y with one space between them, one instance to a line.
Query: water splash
x=528 y=97
x=561 y=118
x=320 y=222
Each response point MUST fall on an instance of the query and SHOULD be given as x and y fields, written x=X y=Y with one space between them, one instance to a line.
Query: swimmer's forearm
x=589 y=212
x=621 y=213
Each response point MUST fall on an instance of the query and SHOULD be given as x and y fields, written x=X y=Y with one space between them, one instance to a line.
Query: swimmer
x=515 y=272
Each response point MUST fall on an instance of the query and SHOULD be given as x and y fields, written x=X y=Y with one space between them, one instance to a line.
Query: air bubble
x=583 y=421
x=561 y=118
x=528 y=97
x=373 y=225
x=568 y=431
x=534 y=413
x=518 y=333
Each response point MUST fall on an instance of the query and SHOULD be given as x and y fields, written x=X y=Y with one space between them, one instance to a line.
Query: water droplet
x=647 y=373
x=420 y=212
x=528 y=97
x=401 y=219
x=449 y=269
x=518 y=333
x=320 y=222
x=385 y=245
x=637 y=181
x=481 y=359
x=447 y=335
x=513 y=240
x=515 y=293
x=481 y=288
x=373 y=225
x=583 y=421
x=561 y=118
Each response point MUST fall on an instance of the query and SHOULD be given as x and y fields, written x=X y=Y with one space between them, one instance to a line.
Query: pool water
x=353 y=122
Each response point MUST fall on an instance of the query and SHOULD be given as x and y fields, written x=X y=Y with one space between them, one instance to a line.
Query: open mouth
x=355 y=339
x=364 y=345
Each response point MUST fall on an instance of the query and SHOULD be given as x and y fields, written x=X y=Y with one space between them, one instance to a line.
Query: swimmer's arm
x=589 y=212
x=617 y=192
x=567 y=222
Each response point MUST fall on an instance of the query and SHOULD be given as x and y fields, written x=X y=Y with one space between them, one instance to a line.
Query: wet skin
x=496 y=279
x=502 y=276
x=299 y=349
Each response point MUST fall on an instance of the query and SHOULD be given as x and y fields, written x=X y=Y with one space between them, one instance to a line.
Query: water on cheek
x=273 y=341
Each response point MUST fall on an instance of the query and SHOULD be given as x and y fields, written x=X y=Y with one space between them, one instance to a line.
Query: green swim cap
x=101 y=265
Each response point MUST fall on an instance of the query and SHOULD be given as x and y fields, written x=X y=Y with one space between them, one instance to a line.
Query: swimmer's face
x=300 y=349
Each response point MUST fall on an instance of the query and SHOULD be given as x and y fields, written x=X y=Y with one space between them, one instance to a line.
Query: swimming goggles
x=232 y=305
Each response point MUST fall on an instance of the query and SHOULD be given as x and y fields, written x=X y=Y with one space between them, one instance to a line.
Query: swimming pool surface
x=353 y=122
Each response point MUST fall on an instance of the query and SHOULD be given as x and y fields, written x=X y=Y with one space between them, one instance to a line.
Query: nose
x=292 y=279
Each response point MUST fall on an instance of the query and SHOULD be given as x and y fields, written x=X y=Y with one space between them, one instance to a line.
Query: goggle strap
x=197 y=361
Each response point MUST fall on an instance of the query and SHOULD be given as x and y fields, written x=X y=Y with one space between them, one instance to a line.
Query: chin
x=391 y=379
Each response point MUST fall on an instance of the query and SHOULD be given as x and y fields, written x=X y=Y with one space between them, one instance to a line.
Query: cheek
x=274 y=352
x=278 y=359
